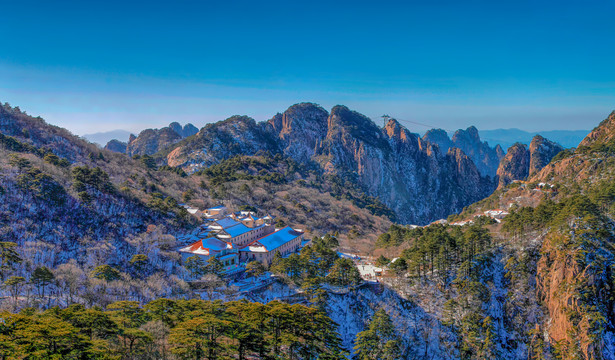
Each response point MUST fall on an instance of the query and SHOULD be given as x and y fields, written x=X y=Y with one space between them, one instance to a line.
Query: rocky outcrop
x=603 y=133
x=499 y=152
x=515 y=165
x=439 y=137
x=521 y=162
x=300 y=128
x=405 y=172
x=187 y=130
x=541 y=153
x=575 y=284
x=116 y=146
x=417 y=179
x=237 y=135
x=151 y=141
x=484 y=157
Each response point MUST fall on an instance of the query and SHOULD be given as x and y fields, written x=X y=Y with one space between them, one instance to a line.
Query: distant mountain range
x=503 y=137
x=102 y=138
x=507 y=137
x=402 y=169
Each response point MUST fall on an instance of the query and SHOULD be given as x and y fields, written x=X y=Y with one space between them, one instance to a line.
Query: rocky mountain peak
x=394 y=130
x=150 y=141
x=486 y=158
x=116 y=146
x=499 y=151
x=189 y=130
x=522 y=161
x=238 y=120
x=515 y=165
x=301 y=127
x=541 y=152
x=469 y=135
x=346 y=123
x=440 y=138
x=237 y=135
x=176 y=127
x=604 y=132
x=304 y=117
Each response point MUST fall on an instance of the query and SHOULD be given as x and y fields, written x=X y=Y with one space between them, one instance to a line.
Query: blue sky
x=92 y=65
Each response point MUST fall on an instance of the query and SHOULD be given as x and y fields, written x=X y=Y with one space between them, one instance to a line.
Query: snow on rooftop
x=206 y=246
x=217 y=207
x=226 y=222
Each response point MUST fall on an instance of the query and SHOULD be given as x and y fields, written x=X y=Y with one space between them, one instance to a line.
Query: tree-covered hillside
x=538 y=285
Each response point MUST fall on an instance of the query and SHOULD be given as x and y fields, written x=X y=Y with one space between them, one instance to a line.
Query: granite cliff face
x=439 y=137
x=575 y=271
x=150 y=141
x=521 y=161
x=603 y=133
x=541 y=153
x=515 y=165
x=300 y=129
x=187 y=130
x=411 y=176
x=237 y=135
x=407 y=173
x=116 y=146
x=485 y=158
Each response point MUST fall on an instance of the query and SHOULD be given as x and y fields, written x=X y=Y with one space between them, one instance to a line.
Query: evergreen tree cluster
x=168 y=329
x=317 y=264
x=379 y=341
x=437 y=250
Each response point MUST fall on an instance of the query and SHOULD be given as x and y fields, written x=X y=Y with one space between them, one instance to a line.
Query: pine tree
x=195 y=265
x=14 y=284
x=255 y=268
x=106 y=272
x=214 y=266
x=382 y=261
x=8 y=258
x=399 y=267
x=41 y=277
x=344 y=273
x=379 y=341
x=139 y=263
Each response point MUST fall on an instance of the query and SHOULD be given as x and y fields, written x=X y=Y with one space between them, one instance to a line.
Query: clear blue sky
x=102 y=65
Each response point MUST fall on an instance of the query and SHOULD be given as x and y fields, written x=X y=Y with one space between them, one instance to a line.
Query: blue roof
x=278 y=238
x=213 y=244
x=216 y=207
x=239 y=229
x=227 y=222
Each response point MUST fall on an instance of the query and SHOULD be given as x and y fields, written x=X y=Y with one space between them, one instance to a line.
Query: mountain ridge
x=390 y=163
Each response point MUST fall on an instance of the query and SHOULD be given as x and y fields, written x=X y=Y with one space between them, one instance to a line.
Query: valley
x=234 y=232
